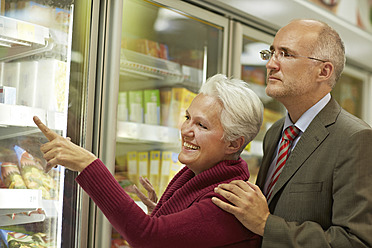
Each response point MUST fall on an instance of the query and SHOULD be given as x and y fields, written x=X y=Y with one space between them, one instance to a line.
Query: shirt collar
x=309 y=115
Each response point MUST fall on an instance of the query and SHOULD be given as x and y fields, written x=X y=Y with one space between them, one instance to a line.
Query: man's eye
x=187 y=117
x=285 y=54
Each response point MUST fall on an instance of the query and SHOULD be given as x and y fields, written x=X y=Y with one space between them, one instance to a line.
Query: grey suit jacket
x=323 y=197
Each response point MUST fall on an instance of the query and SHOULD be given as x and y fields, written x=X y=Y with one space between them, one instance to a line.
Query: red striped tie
x=290 y=133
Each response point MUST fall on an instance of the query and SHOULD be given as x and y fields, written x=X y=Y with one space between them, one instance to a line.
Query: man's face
x=292 y=78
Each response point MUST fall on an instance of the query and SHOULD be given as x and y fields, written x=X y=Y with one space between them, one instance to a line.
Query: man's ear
x=326 y=71
x=235 y=145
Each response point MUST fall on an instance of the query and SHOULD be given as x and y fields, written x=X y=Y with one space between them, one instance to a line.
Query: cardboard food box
x=181 y=99
x=123 y=106
x=152 y=106
x=165 y=99
x=154 y=172
x=143 y=169
x=8 y=95
x=135 y=106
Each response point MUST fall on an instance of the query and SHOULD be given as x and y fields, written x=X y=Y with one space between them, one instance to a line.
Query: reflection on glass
x=348 y=92
x=34 y=80
x=253 y=71
x=166 y=55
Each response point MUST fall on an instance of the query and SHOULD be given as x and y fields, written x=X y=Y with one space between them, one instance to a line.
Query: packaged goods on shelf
x=28 y=80
x=154 y=172
x=15 y=239
x=123 y=106
x=181 y=99
x=145 y=46
x=121 y=163
x=169 y=168
x=165 y=99
x=12 y=176
x=8 y=95
x=251 y=74
x=143 y=168
x=133 y=171
x=34 y=176
x=135 y=106
x=10 y=77
x=52 y=87
x=2 y=184
x=152 y=106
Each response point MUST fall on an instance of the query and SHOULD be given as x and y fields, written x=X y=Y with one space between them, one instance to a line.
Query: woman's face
x=202 y=132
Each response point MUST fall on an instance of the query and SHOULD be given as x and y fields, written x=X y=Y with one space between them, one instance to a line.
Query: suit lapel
x=310 y=140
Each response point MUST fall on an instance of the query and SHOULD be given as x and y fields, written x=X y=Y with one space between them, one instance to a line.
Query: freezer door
x=158 y=55
x=35 y=55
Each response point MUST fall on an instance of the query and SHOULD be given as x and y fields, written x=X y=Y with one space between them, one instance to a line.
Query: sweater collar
x=185 y=187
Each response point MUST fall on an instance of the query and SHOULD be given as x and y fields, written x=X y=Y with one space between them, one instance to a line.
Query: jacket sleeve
x=351 y=207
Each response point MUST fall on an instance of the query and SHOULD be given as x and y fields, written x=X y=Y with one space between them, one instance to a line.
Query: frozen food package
x=2 y=185
x=52 y=87
x=26 y=93
x=11 y=176
x=16 y=239
x=33 y=174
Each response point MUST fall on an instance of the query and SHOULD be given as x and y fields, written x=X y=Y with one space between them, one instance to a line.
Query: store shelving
x=132 y=132
x=20 y=39
x=19 y=206
x=156 y=72
x=18 y=120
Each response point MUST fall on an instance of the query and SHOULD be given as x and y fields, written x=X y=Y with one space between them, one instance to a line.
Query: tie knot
x=291 y=132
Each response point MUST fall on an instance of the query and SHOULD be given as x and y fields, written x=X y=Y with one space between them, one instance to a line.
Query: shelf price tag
x=26 y=31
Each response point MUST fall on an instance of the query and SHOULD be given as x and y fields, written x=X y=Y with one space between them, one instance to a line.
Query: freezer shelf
x=145 y=133
x=18 y=120
x=19 y=39
x=146 y=67
x=19 y=206
x=16 y=32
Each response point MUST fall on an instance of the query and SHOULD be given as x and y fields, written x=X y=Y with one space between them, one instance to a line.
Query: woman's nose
x=186 y=128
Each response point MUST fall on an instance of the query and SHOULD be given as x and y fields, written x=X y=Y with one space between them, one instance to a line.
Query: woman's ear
x=235 y=145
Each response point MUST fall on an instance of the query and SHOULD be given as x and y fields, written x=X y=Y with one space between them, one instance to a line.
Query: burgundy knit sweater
x=185 y=215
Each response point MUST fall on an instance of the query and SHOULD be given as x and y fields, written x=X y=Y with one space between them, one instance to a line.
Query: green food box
x=152 y=106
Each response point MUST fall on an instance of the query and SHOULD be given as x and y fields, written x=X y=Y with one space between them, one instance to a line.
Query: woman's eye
x=201 y=125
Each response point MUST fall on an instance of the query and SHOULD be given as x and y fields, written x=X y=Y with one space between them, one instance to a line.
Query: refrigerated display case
x=351 y=92
x=166 y=49
x=35 y=49
x=248 y=66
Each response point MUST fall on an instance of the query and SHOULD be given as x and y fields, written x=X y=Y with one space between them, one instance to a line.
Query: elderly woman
x=222 y=119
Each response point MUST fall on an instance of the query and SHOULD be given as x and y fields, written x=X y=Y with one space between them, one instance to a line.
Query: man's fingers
x=49 y=134
x=223 y=205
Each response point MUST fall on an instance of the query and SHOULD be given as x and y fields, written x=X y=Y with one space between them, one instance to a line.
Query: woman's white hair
x=242 y=109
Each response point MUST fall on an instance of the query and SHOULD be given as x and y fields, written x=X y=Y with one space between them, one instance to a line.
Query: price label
x=26 y=31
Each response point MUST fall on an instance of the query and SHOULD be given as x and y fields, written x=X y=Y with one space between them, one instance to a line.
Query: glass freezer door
x=248 y=66
x=168 y=49
x=34 y=80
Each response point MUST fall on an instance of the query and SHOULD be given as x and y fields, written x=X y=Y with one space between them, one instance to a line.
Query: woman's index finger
x=49 y=134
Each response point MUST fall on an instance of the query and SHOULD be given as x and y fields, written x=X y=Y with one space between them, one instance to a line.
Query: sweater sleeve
x=201 y=225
